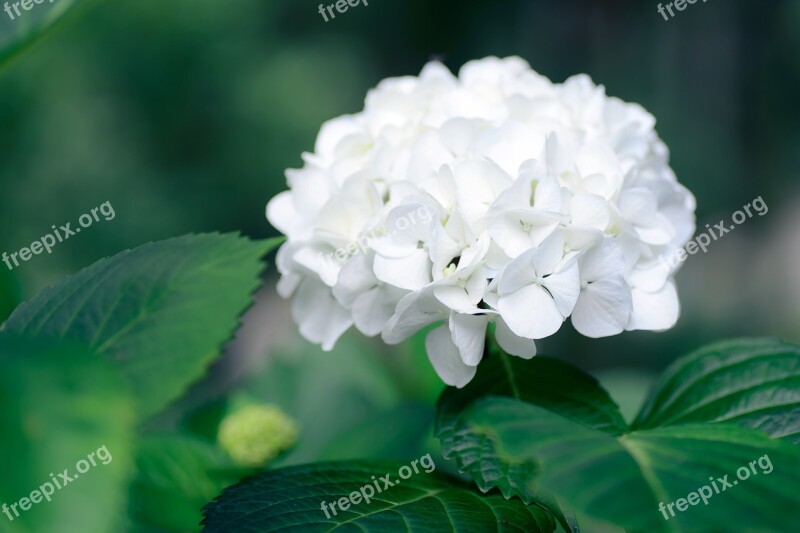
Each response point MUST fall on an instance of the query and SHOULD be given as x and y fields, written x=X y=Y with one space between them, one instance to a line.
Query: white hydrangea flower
x=495 y=197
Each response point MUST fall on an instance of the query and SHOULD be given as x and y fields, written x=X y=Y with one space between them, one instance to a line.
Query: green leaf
x=543 y=381
x=18 y=33
x=162 y=311
x=291 y=498
x=59 y=403
x=545 y=449
x=752 y=382
x=176 y=475
x=623 y=479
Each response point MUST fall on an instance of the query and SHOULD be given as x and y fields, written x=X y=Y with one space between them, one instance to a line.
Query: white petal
x=410 y=273
x=479 y=183
x=373 y=309
x=517 y=231
x=469 y=336
x=655 y=311
x=475 y=252
x=658 y=231
x=650 y=276
x=580 y=239
x=442 y=249
x=311 y=189
x=415 y=311
x=333 y=131
x=565 y=287
x=288 y=284
x=427 y=155
x=517 y=274
x=441 y=192
x=320 y=317
x=282 y=214
x=602 y=261
x=446 y=360
x=476 y=285
x=355 y=278
x=454 y=297
x=513 y=344
x=530 y=312
x=638 y=205
x=410 y=223
x=459 y=133
x=550 y=254
x=603 y=308
x=320 y=260
x=509 y=234
x=548 y=195
x=591 y=211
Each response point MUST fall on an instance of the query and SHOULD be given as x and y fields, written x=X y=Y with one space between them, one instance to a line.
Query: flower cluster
x=547 y=201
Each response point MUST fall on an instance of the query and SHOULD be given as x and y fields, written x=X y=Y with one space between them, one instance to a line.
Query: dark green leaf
x=752 y=382
x=543 y=381
x=291 y=499
x=162 y=310
x=623 y=479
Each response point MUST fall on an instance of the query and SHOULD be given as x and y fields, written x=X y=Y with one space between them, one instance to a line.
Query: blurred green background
x=184 y=115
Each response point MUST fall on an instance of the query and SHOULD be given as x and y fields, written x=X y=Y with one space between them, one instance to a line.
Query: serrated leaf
x=290 y=499
x=176 y=475
x=162 y=311
x=58 y=404
x=752 y=382
x=544 y=381
x=623 y=479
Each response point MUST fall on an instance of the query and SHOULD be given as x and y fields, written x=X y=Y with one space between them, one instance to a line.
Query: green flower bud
x=254 y=435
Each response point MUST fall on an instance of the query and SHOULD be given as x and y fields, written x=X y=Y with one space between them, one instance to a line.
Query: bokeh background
x=184 y=115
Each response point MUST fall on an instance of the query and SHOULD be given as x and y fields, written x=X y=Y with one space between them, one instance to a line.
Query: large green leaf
x=176 y=475
x=59 y=403
x=29 y=25
x=623 y=479
x=162 y=310
x=291 y=499
x=543 y=381
x=752 y=382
